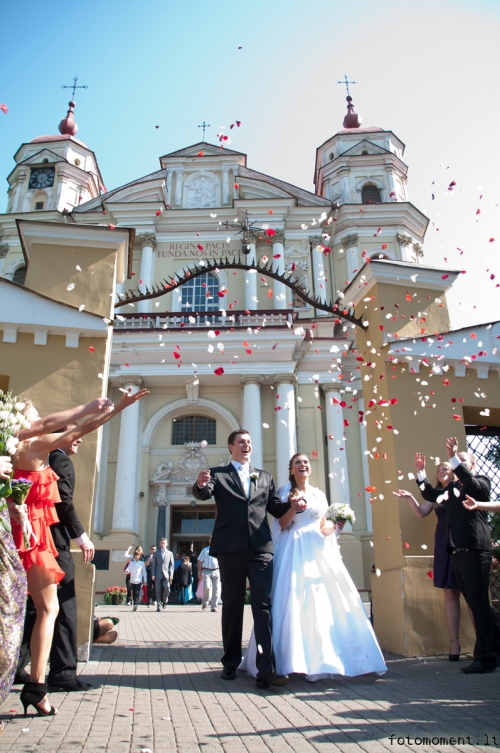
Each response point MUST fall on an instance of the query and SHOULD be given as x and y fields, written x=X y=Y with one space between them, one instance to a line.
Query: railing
x=203 y=320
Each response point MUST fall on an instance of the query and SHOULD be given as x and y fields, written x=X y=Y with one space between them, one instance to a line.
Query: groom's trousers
x=235 y=567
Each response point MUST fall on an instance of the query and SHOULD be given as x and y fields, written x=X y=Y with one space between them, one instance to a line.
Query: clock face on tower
x=42 y=177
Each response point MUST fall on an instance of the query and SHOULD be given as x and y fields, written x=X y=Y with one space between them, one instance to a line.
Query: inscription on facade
x=185 y=250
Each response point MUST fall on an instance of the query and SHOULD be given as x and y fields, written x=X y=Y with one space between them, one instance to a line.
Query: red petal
x=371 y=489
x=4 y=109
x=478 y=211
x=219 y=371
x=112 y=227
x=314 y=453
x=270 y=211
x=200 y=247
x=430 y=574
x=158 y=212
x=457 y=418
x=176 y=355
x=384 y=246
x=249 y=351
x=200 y=154
x=277 y=256
x=346 y=422
x=238 y=122
x=91 y=348
x=236 y=185
x=406 y=545
x=270 y=232
x=491 y=240
x=126 y=364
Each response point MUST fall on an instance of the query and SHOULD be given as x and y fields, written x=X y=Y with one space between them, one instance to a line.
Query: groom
x=241 y=541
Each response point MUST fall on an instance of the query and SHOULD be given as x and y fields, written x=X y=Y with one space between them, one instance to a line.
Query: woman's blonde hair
x=439 y=485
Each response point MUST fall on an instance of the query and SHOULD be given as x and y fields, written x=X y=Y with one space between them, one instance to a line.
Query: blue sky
x=428 y=71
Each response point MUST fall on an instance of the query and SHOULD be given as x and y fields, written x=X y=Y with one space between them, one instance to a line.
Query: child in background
x=137 y=571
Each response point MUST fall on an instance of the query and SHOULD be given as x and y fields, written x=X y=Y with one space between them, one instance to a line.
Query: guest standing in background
x=208 y=572
x=137 y=573
x=150 y=585
x=185 y=579
x=162 y=569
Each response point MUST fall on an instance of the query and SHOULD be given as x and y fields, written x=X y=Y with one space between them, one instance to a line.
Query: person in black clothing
x=241 y=541
x=63 y=654
x=469 y=539
x=149 y=573
x=185 y=577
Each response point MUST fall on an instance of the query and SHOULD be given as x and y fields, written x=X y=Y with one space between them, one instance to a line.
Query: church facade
x=234 y=348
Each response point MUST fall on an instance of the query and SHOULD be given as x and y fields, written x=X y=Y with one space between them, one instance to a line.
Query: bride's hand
x=297 y=502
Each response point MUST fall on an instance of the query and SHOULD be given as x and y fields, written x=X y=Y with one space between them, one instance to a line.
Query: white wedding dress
x=320 y=627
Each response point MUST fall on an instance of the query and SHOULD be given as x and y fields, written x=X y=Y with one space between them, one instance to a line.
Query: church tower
x=360 y=170
x=54 y=173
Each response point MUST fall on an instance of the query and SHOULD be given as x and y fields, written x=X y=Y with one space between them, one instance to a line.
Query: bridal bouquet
x=338 y=513
x=20 y=490
x=11 y=422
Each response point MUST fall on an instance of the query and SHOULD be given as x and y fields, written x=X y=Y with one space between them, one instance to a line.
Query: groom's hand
x=203 y=478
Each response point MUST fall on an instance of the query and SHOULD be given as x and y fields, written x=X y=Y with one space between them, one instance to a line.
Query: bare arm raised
x=36 y=453
x=55 y=421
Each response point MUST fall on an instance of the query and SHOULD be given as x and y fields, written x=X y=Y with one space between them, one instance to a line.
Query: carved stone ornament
x=279 y=236
x=251 y=379
x=202 y=193
x=161 y=480
x=350 y=240
x=4 y=250
x=300 y=269
x=418 y=249
x=403 y=239
x=316 y=240
x=289 y=378
x=137 y=380
x=147 y=239
x=330 y=386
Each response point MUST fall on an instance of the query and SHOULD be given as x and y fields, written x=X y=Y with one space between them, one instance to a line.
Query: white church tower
x=54 y=173
x=360 y=170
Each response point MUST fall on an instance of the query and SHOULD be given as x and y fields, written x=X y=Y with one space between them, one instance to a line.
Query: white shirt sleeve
x=421 y=475
x=83 y=539
x=455 y=462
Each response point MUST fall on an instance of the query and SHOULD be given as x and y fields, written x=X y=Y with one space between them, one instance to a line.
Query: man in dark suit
x=469 y=538
x=64 y=653
x=241 y=541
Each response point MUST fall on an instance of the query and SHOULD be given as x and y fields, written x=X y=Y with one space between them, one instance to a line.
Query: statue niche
x=190 y=464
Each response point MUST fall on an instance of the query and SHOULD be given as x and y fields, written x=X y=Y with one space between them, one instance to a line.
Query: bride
x=320 y=627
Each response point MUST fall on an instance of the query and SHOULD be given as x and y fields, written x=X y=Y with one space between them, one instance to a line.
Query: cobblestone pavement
x=158 y=689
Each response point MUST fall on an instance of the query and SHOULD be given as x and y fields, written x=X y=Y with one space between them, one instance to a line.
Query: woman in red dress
x=31 y=462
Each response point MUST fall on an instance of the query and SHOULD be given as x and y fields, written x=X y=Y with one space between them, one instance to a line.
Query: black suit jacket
x=241 y=521
x=469 y=528
x=69 y=526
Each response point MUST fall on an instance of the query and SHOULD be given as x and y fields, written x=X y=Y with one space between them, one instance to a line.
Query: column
x=251 y=282
x=350 y=246
x=170 y=173
x=179 y=171
x=366 y=471
x=279 y=288
x=337 y=461
x=125 y=501
x=252 y=415
x=148 y=243
x=286 y=438
x=4 y=250
x=225 y=185
x=345 y=187
x=318 y=270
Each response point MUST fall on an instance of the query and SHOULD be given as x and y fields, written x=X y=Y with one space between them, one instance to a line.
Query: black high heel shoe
x=455 y=657
x=32 y=694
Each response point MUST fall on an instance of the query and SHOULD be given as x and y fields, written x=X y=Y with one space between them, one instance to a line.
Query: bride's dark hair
x=291 y=477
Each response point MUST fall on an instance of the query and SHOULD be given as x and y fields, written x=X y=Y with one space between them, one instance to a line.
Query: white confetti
x=266 y=426
x=70 y=286
x=78 y=267
x=203 y=444
x=259 y=649
x=80 y=308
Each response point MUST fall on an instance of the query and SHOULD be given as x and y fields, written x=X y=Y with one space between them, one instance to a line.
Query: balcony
x=271 y=319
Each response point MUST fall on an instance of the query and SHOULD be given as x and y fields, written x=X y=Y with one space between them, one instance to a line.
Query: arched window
x=200 y=294
x=378 y=255
x=370 y=194
x=19 y=275
x=193 y=429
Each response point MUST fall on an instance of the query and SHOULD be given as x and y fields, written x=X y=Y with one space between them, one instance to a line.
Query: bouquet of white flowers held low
x=11 y=422
x=338 y=513
x=20 y=490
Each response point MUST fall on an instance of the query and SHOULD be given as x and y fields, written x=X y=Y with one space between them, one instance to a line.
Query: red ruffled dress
x=41 y=502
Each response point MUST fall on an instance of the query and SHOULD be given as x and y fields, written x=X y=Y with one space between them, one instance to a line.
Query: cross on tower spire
x=204 y=125
x=74 y=87
x=346 y=83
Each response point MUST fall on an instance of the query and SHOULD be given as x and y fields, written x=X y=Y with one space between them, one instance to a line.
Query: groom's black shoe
x=228 y=673
x=273 y=678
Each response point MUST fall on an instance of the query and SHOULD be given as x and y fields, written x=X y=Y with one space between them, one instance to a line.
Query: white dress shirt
x=244 y=474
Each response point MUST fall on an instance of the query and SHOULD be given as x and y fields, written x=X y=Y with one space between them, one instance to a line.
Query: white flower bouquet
x=338 y=513
x=20 y=490
x=11 y=422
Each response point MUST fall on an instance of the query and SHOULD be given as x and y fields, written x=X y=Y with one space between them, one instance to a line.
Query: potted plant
x=115 y=595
